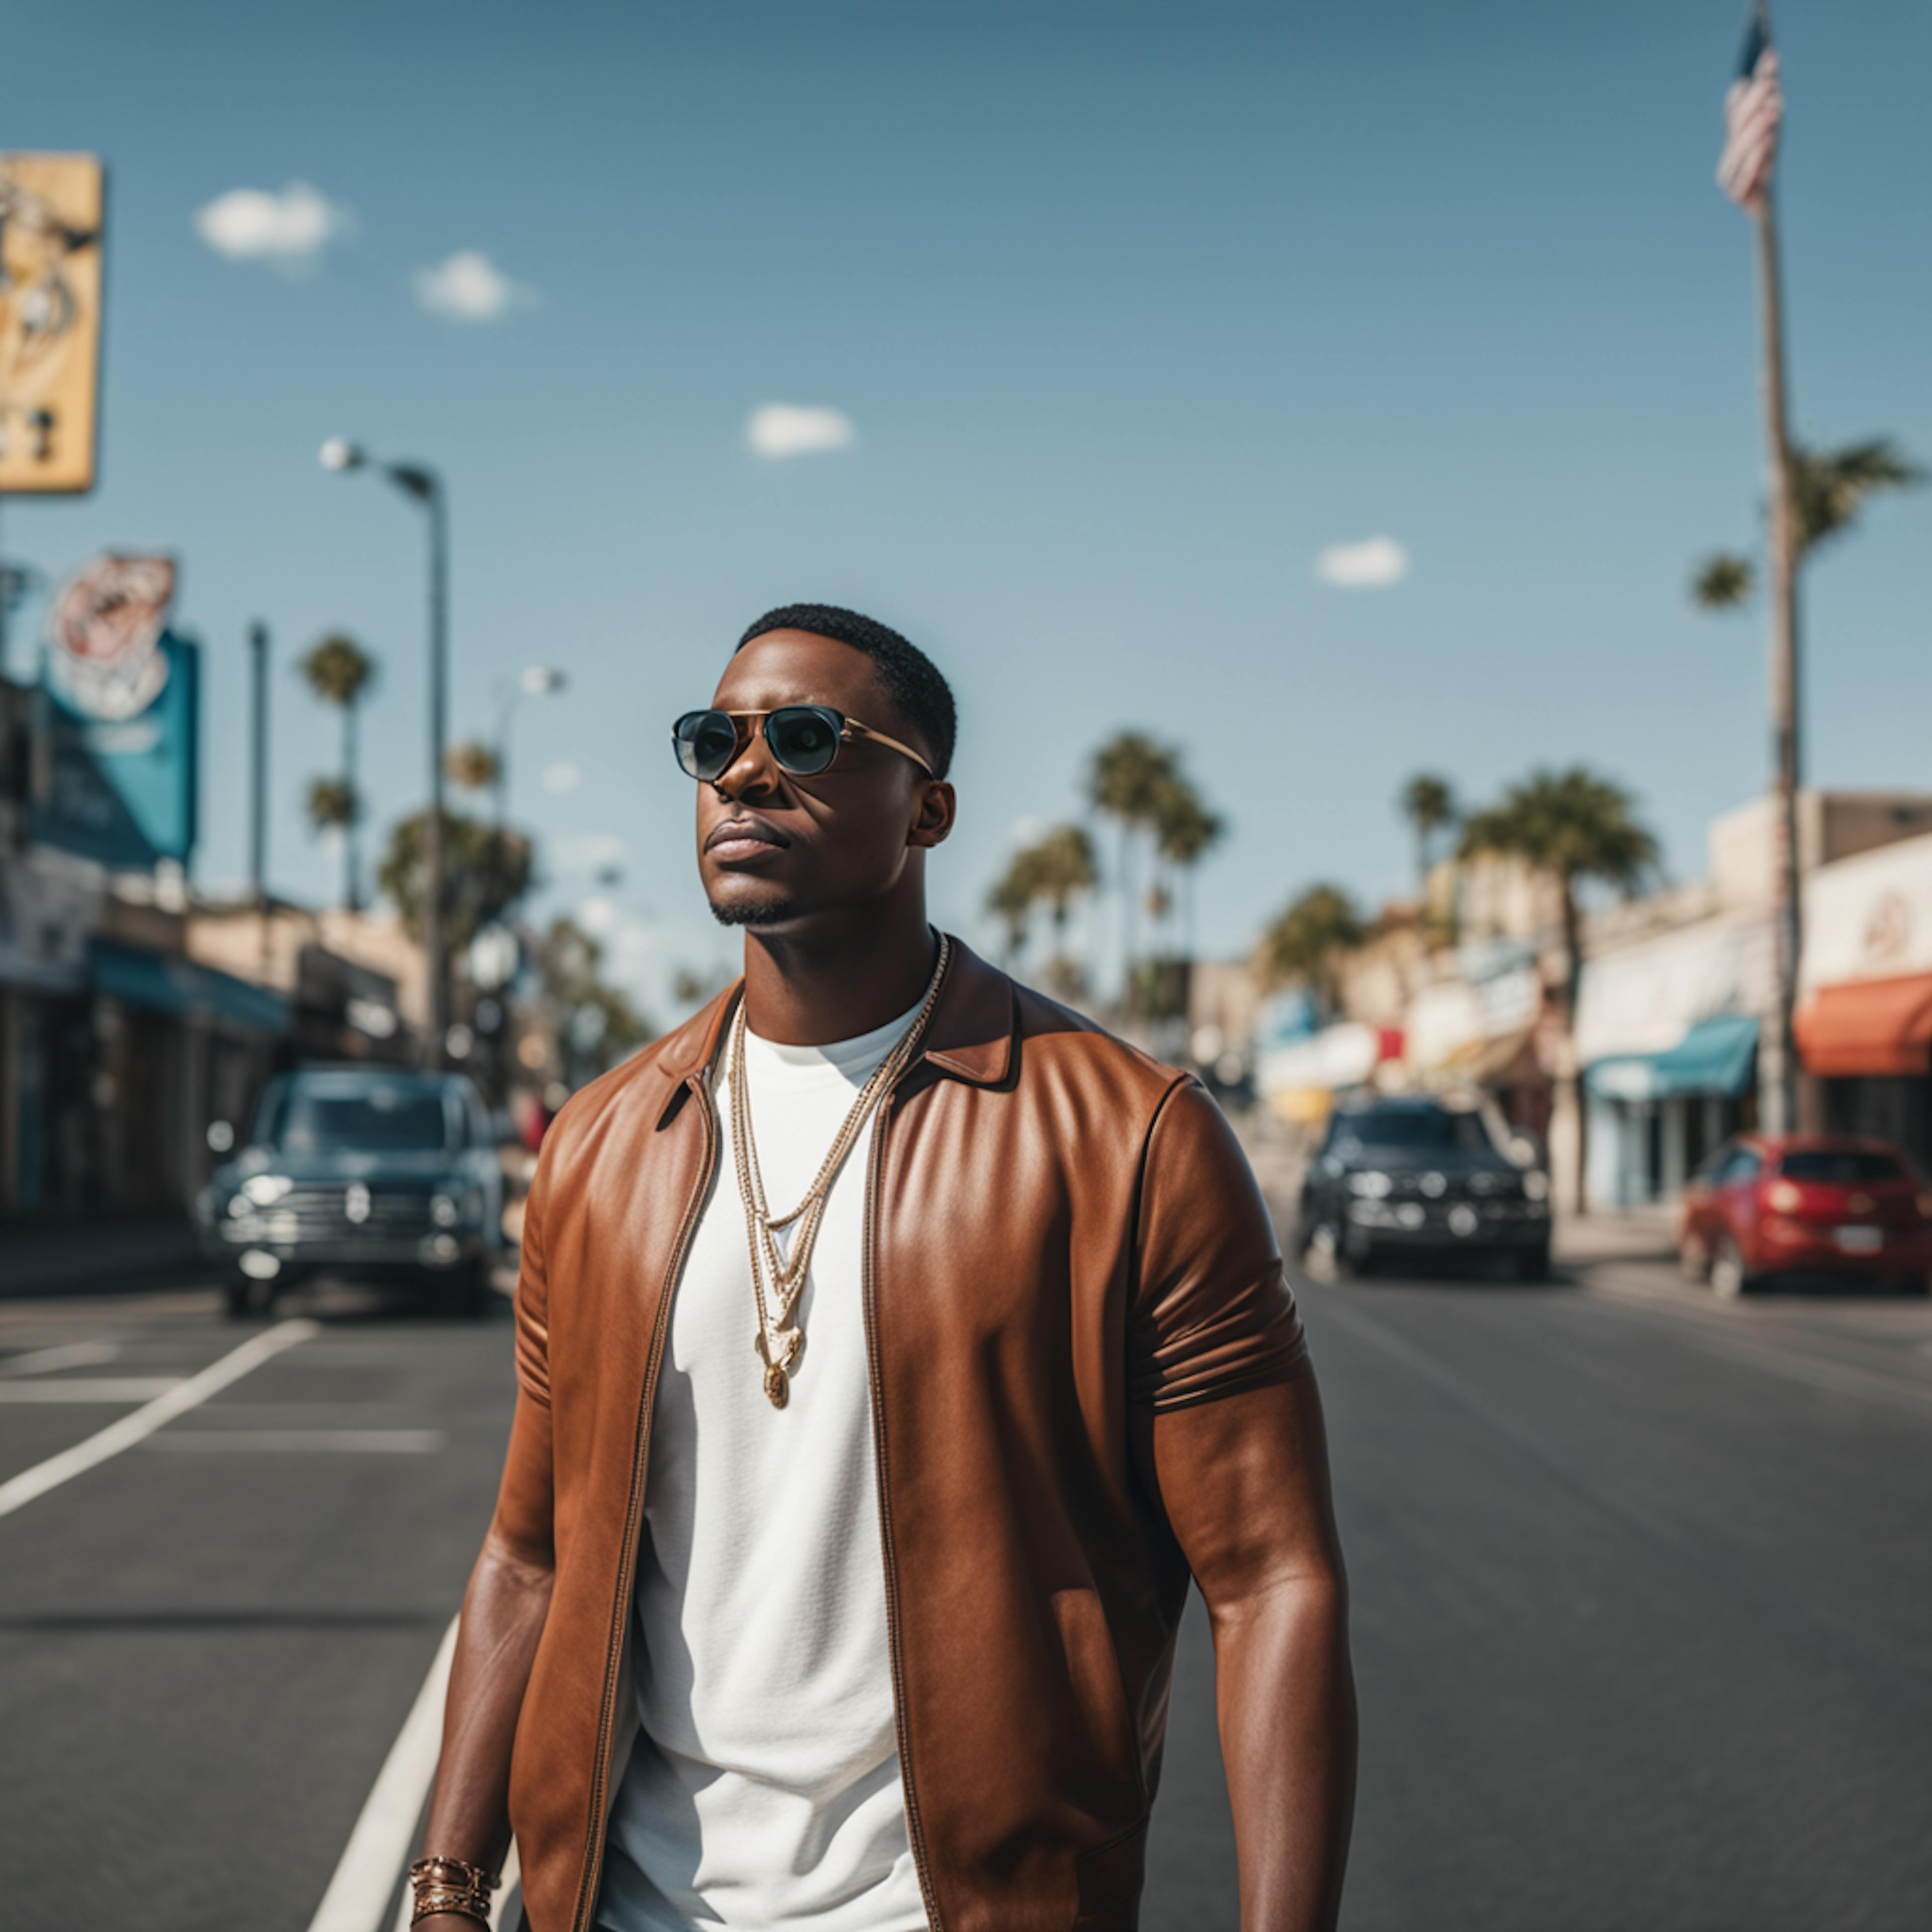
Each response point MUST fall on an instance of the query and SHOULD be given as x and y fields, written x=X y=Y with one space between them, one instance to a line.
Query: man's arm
x=1244 y=1480
x=1228 y=1439
x=503 y=1613
x=508 y=1601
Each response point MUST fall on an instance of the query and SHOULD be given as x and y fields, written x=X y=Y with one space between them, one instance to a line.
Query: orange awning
x=1867 y=1027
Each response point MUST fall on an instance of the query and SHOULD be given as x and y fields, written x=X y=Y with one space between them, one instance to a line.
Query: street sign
x=50 y=287
x=121 y=714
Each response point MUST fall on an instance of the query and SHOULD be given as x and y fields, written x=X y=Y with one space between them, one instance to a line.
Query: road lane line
x=63 y=1355
x=325 y=1442
x=18 y=1491
x=92 y=1388
x=357 y=1898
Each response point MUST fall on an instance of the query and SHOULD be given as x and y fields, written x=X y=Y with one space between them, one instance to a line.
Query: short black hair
x=911 y=680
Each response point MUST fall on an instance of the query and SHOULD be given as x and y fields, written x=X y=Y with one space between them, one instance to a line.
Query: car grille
x=317 y=1211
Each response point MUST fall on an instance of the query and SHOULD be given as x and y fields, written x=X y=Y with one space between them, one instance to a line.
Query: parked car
x=375 y=1171
x=1767 y=1205
x=1411 y=1176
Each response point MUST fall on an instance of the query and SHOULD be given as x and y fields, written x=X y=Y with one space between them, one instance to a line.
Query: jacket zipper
x=593 y=1848
x=915 y=1830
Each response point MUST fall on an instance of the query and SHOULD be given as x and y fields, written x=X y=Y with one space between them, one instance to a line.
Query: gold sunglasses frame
x=752 y=725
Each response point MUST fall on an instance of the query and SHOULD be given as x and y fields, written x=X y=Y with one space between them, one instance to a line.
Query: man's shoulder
x=1060 y=1043
x=643 y=1083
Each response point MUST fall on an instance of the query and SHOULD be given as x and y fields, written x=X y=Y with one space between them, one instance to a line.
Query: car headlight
x=455 y=1204
x=1372 y=1186
x=1536 y=1185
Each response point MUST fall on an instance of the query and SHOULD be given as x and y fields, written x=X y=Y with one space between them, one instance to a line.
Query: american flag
x=1753 y=108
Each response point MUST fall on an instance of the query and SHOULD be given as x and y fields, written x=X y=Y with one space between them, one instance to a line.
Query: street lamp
x=418 y=481
x=534 y=681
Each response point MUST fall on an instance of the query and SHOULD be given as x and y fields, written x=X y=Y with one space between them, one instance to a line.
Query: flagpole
x=1779 y=1083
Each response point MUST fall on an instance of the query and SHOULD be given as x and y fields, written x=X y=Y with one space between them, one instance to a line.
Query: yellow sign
x=50 y=210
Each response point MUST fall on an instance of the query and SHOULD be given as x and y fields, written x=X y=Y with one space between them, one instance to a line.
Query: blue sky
x=1133 y=310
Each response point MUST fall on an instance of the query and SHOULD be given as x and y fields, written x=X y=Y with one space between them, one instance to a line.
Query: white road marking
x=91 y=1388
x=357 y=1898
x=65 y=1355
x=333 y=1442
x=18 y=1491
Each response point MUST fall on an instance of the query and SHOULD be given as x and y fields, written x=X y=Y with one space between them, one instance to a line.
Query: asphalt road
x=1642 y=1609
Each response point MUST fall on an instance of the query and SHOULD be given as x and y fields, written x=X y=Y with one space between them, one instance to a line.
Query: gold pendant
x=778 y=1385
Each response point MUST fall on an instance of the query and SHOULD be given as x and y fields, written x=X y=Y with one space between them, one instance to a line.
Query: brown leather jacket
x=1065 y=1244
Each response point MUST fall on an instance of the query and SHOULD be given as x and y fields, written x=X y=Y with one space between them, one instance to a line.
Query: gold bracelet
x=451 y=1884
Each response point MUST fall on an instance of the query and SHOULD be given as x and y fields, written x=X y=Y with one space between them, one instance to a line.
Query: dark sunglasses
x=802 y=739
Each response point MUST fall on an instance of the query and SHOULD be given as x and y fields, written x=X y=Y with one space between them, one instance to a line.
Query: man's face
x=772 y=848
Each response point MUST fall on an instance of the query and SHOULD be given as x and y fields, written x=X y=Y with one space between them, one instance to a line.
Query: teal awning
x=165 y=984
x=1714 y=1056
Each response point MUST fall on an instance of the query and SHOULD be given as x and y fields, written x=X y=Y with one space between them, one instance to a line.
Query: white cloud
x=290 y=229
x=470 y=287
x=1368 y=564
x=561 y=778
x=598 y=917
x=778 y=430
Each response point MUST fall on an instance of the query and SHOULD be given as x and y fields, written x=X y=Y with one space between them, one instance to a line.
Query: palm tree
x=339 y=672
x=1573 y=827
x=1429 y=803
x=1124 y=781
x=473 y=766
x=1184 y=829
x=1062 y=866
x=1829 y=489
x=1306 y=941
x=332 y=805
x=1010 y=900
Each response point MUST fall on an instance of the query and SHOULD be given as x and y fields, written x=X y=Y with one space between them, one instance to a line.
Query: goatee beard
x=772 y=912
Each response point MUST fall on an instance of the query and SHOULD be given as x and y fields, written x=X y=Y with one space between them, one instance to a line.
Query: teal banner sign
x=122 y=790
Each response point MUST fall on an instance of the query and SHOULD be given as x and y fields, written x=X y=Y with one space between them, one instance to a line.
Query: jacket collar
x=971 y=1037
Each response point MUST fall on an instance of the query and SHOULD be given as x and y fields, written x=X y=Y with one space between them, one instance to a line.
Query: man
x=841 y=1549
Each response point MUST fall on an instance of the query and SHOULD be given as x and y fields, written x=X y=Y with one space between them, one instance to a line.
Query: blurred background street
x=1425 y=513
x=1640 y=1588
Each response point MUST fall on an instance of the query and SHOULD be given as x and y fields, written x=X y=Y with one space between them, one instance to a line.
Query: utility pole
x=1779 y=1084
x=258 y=785
x=258 y=765
x=418 y=480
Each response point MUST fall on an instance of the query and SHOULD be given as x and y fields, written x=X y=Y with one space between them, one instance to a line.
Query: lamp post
x=418 y=481
x=534 y=681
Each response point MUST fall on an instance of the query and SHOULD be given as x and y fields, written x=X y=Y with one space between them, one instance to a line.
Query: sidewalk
x=108 y=1255
x=1645 y=1234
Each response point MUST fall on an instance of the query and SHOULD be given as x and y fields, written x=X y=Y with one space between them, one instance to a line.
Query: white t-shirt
x=764 y=1789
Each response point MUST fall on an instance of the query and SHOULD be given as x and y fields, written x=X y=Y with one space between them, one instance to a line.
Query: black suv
x=1411 y=1176
x=372 y=1171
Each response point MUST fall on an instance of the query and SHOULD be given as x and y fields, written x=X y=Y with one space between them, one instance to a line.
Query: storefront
x=180 y=1046
x=1865 y=1017
x=50 y=909
x=1478 y=1030
x=1667 y=1033
x=1300 y=1080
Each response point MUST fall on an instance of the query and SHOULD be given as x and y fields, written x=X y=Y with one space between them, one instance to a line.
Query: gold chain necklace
x=779 y=1339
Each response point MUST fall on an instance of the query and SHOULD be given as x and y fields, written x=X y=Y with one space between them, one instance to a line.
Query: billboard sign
x=50 y=286
x=120 y=709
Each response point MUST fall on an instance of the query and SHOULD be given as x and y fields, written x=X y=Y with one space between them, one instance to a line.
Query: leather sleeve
x=1212 y=1313
x=532 y=1302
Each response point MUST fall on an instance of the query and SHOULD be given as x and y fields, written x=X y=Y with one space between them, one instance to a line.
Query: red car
x=1805 y=1204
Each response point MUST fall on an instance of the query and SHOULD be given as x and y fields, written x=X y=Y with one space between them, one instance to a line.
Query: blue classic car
x=364 y=1171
